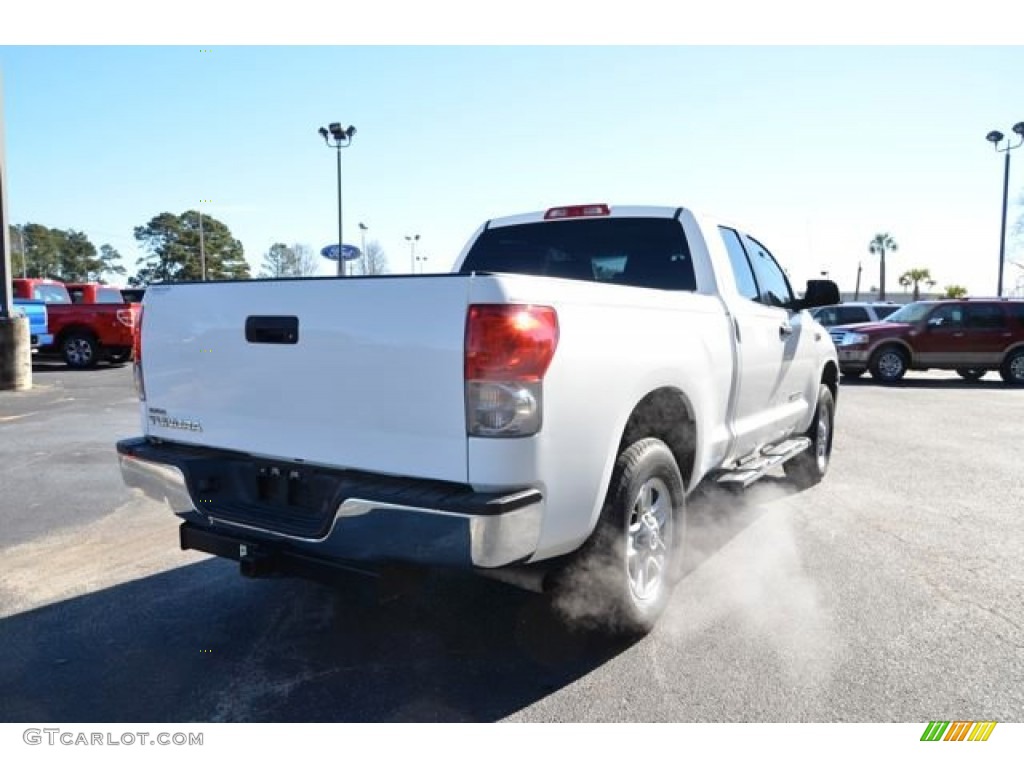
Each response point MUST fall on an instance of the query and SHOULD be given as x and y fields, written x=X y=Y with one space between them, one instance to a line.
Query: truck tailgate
x=371 y=379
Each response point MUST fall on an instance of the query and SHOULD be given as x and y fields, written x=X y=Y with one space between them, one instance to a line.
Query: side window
x=849 y=315
x=110 y=296
x=948 y=316
x=984 y=317
x=775 y=290
x=884 y=312
x=742 y=272
x=827 y=316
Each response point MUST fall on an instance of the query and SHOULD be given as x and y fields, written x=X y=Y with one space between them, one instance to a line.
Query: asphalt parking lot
x=893 y=592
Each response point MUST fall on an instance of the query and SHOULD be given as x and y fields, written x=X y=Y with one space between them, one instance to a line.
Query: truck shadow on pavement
x=199 y=643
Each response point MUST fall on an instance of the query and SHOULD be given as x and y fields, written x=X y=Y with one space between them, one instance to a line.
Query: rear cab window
x=51 y=294
x=639 y=252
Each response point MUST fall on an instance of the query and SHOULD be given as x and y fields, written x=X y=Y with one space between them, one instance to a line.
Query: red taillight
x=509 y=342
x=577 y=211
x=140 y=382
x=137 y=338
x=126 y=317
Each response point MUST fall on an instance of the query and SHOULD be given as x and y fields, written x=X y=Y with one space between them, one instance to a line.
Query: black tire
x=971 y=374
x=80 y=350
x=889 y=365
x=807 y=469
x=621 y=580
x=1012 y=369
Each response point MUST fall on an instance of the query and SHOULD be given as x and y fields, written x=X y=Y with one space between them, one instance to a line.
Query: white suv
x=854 y=312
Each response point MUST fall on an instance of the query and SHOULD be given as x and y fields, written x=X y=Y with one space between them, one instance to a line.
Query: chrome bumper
x=369 y=529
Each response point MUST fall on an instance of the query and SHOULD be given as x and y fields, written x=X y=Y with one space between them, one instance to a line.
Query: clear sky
x=813 y=149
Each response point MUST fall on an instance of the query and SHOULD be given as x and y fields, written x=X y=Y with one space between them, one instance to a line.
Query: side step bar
x=756 y=468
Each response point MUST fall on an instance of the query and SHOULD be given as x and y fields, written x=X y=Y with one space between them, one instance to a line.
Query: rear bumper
x=357 y=517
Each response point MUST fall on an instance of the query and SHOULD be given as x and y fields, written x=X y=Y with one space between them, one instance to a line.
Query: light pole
x=412 y=251
x=422 y=261
x=342 y=138
x=363 y=257
x=995 y=137
x=202 y=247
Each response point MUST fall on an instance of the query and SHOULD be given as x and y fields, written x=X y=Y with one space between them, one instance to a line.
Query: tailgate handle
x=272 y=329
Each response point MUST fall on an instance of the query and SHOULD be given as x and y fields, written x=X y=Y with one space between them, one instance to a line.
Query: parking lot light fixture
x=996 y=137
x=336 y=136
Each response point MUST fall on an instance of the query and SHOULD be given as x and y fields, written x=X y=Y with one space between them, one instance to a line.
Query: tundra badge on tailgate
x=158 y=417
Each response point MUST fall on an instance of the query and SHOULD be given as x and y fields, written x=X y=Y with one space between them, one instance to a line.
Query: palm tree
x=915 y=277
x=881 y=244
x=954 y=292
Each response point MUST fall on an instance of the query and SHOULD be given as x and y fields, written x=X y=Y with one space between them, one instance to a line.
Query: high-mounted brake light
x=508 y=350
x=577 y=211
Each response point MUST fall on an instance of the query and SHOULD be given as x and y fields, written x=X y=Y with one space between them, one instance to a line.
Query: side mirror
x=819 y=293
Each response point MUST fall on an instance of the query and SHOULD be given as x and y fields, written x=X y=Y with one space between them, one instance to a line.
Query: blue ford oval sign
x=347 y=252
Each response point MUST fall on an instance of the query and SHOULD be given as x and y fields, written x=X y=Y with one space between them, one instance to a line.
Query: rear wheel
x=971 y=374
x=809 y=467
x=889 y=365
x=621 y=580
x=1012 y=369
x=80 y=350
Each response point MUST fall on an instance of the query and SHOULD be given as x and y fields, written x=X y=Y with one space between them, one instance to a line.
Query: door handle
x=785 y=331
x=272 y=329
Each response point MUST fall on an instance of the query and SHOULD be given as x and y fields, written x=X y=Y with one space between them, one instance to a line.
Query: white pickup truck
x=550 y=403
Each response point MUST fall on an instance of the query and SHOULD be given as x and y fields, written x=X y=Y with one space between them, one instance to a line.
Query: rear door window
x=641 y=252
x=984 y=317
x=848 y=315
x=742 y=271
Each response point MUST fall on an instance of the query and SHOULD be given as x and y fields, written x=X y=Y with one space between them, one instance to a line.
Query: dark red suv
x=969 y=336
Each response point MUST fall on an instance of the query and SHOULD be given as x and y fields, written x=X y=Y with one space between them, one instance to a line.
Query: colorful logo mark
x=958 y=731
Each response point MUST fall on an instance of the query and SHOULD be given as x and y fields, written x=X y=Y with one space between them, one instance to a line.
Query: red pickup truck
x=83 y=333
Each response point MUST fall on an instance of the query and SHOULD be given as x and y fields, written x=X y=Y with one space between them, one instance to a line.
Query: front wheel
x=970 y=374
x=621 y=580
x=1012 y=369
x=889 y=365
x=809 y=467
